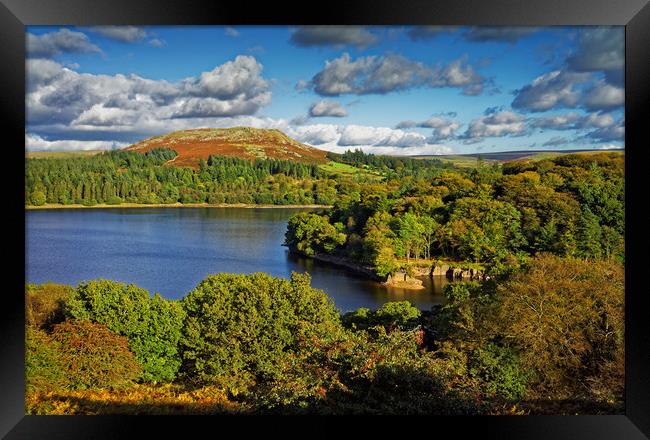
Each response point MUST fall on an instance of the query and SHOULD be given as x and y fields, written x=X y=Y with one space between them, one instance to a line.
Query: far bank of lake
x=170 y=205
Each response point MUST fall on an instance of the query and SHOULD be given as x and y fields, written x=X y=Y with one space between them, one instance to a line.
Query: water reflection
x=170 y=251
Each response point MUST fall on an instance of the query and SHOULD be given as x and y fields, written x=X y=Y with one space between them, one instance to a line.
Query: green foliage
x=45 y=304
x=44 y=368
x=152 y=325
x=391 y=315
x=242 y=326
x=119 y=176
x=565 y=317
x=498 y=370
x=78 y=355
x=493 y=216
x=310 y=233
x=38 y=198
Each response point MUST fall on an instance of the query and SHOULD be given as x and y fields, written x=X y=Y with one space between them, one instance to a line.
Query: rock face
x=402 y=279
x=451 y=272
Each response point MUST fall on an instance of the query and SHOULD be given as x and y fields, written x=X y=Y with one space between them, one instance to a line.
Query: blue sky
x=389 y=90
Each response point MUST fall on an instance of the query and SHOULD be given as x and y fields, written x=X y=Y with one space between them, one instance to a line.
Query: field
x=60 y=154
x=347 y=170
x=470 y=160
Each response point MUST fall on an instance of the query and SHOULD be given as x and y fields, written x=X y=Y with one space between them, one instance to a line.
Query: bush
x=565 y=317
x=395 y=314
x=152 y=325
x=44 y=368
x=45 y=304
x=244 y=325
x=93 y=356
x=78 y=355
x=499 y=372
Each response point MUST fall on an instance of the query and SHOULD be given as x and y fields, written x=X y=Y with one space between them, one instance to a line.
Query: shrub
x=44 y=368
x=394 y=314
x=244 y=325
x=397 y=314
x=152 y=325
x=565 y=317
x=45 y=304
x=499 y=372
x=78 y=355
x=93 y=356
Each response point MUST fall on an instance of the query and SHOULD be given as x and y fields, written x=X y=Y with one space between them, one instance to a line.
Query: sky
x=398 y=90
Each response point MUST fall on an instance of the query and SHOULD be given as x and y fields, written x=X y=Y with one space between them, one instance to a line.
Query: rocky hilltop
x=243 y=142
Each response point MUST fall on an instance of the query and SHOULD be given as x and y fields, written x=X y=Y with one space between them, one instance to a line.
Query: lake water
x=170 y=250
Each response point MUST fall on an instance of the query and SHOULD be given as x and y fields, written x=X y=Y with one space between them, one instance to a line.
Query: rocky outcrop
x=452 y=272
x=403 y=280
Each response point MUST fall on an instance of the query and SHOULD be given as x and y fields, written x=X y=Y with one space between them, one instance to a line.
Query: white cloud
x=327 y=108
x=551 y=90
x=336 y=36
x=34 y=142
x=603 y=96
x=601 y=48
x=61 y=41
x=59 y=96
x=388 y=73
x=505 y=123
x=125 y=34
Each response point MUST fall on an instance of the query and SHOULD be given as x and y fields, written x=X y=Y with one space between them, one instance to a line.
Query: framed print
x=364 y=208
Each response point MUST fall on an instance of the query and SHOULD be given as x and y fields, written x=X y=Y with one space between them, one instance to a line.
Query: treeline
x=391 y=166
x=126 y=176
x=259 y=344
x=495 y=216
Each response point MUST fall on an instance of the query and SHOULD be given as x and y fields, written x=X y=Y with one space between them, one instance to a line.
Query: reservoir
x=170 y=250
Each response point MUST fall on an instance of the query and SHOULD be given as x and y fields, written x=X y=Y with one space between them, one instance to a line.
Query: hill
x=244 y=142
x=469 y=160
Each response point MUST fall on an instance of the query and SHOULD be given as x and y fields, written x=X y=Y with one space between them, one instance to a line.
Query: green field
x=345 y=169
x=60 y=154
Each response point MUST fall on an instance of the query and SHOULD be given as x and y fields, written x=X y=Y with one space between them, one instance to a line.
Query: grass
x=61 y=154
x=333 y=167
x=134 y=400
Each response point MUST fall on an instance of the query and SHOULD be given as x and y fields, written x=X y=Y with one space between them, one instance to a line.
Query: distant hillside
x=505 y=156
x=243 y=142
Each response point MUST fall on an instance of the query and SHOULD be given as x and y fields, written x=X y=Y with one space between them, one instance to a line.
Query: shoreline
x=362 y=270
x=171 y=205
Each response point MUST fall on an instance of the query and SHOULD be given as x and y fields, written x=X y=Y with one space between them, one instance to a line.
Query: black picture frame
x=16 y=14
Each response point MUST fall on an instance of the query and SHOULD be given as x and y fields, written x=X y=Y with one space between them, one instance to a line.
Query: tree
x=564 y=316
x=38 y=198
x=242 y=326
x=152 y=325
x=311 y=233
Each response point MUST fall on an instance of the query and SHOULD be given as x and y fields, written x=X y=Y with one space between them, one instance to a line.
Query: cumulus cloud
x=378 y=140
x=337 y=36
x=388 y=73
x=443 y=128
x=505 y=123
x=59 y=96
x=125 y=34
x=602 y=95
x=599 y=126
x=327 y=108
x=601 y=48
x=34 y=142
x=480 y=34
x=61 y=41
x=502 y=34
x=551 y=90
x=428 y=32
